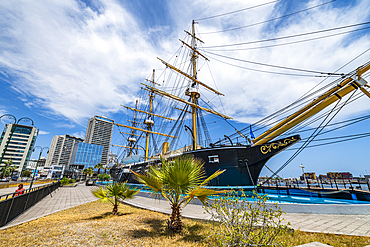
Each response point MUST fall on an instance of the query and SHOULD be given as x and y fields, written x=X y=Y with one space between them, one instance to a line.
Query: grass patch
x=91 y=224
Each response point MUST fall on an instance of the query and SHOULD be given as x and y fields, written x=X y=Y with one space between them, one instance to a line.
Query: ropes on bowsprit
x=313 y=135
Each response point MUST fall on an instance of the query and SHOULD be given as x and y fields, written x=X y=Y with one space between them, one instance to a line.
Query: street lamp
x=304 y=175
x=33 y=177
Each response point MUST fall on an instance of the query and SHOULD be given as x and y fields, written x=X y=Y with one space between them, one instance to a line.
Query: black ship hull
x=242 y=164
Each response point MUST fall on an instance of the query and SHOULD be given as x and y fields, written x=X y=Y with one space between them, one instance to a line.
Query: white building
x=112 y=159
x=60 y=150
x=20 y=144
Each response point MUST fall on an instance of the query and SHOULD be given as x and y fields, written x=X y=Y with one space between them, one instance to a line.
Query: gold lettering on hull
x=276 y=145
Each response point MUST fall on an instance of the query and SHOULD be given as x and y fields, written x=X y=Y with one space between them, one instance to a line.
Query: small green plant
x=64 y=181
x=115 y=192
x=104 y=176
x=239 y=222
x=72 y=181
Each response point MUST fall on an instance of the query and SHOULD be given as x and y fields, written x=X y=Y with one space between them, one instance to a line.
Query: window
x=213 y=159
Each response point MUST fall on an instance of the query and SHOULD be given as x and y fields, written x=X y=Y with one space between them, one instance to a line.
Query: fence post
x=10 y=208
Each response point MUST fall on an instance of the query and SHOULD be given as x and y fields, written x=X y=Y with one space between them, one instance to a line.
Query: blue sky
x=62 y=62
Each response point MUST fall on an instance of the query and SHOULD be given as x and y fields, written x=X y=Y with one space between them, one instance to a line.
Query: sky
x=62 y=62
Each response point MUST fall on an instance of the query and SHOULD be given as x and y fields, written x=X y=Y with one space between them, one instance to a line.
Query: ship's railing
x=338 y=184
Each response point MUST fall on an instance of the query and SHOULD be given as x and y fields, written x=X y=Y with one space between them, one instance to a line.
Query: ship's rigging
x=273 y=126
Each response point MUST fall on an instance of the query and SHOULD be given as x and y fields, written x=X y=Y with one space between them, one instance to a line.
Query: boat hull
x=242 y=164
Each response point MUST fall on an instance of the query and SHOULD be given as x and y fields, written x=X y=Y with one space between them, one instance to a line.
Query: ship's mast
x=149 y=122
x=131 y=140
x=194 y=92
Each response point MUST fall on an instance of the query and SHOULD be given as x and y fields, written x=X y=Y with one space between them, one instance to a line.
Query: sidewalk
x=62 y=198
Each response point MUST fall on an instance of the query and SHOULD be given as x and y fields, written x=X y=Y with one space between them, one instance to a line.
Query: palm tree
x=99 y=166
x=85 y=172
x=114 y=192
x=179 y=181
x=12 y=169
x=89 y=171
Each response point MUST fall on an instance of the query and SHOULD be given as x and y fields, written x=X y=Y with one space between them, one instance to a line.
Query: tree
x=99 y=166
x=183 y=175
x=5 y=171
x=11 y=170
x=88 y=171
x=115 y=192
x=26 y=173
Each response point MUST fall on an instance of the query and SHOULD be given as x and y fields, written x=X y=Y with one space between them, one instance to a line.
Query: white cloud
x=41 y=132
x=79 y=134
x=79 y=63
x=74 y=61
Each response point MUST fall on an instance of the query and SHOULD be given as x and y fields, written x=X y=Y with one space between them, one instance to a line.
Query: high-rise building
x=99 y=131
x=61 y=149
x=21 y=143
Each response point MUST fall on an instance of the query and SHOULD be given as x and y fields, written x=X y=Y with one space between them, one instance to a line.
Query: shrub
x=103 y=176
x=72 y=181
x=26 y=173
x=64 y=181
x=238 y=222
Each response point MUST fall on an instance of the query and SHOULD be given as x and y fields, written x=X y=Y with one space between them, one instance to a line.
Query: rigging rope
x=290 y=36
x=274 y=19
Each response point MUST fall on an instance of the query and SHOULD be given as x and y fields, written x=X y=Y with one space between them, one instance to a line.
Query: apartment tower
x=61 y=149
x=99 y=131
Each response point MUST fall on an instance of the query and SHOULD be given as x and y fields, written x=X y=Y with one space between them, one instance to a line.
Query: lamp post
x=12 y=131
x=304 y=175
x=33 y=177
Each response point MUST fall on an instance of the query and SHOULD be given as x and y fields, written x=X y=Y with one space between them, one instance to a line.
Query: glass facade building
x=86 y=155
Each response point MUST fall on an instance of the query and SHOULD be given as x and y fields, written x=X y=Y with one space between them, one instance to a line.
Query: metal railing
x=12 y=205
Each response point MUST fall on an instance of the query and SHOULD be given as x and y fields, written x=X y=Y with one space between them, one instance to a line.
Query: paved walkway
x=62 y=198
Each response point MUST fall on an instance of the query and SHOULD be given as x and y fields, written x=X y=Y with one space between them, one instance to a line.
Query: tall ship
x=172 y=111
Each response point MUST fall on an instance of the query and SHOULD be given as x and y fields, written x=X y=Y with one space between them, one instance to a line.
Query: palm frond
x=101 y=194
x=200 y=193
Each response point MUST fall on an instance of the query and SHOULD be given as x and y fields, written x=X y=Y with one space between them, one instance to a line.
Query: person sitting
x=20 y=190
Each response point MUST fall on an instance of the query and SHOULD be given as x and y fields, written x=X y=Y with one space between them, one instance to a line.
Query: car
x=24 y=179
x=15 y=178
x=5 y=179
